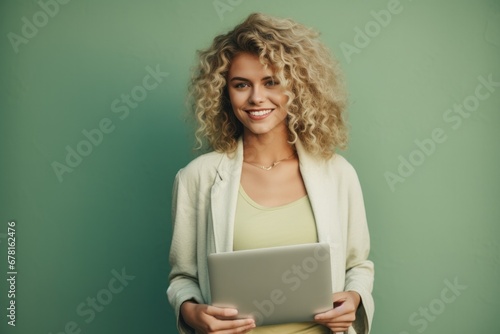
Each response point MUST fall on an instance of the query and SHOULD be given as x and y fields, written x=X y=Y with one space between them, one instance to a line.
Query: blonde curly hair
x=310 y=76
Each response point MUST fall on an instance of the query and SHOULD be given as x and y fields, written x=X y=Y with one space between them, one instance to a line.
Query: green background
x=113 y=210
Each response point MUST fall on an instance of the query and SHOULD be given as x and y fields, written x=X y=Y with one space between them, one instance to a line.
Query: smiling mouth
x=259 y=113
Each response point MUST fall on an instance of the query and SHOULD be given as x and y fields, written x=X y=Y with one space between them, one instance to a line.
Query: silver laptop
x=273 y=285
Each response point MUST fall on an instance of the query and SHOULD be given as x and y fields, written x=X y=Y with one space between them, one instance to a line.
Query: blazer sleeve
x=359 y=270
x=183 y=277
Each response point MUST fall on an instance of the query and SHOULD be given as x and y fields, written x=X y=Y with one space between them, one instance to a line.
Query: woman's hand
x=341 y=317
x=211 y=319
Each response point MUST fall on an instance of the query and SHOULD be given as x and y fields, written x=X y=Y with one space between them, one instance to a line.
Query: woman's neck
x=266 y=149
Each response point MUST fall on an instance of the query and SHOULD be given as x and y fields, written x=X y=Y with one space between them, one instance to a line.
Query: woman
x=269 y=102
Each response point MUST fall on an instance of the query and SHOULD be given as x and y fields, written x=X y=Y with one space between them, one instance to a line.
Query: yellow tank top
x=257 y=226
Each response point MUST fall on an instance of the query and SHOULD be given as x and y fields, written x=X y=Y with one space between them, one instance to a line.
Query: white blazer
x=204 y=202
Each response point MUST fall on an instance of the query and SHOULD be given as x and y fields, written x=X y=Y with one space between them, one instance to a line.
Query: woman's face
x=258 y=100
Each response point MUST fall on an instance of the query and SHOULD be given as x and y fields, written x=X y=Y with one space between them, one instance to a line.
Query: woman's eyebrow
x=239 y=78
x=245 y=79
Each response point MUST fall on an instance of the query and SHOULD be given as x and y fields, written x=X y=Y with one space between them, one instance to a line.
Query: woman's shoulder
x=337 y=163
x=340 y=168
x=345 y=172
x=202 y=165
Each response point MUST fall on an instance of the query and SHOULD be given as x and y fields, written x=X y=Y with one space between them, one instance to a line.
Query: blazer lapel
x=224 y=197
x=321 y=194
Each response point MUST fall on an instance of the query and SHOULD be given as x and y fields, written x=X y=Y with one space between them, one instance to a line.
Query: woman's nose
x=257 y=95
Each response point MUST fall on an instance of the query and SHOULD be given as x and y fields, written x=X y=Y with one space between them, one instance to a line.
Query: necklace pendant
x=267 y=168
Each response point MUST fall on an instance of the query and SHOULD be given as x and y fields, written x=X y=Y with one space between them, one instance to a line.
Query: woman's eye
x=272 y=83
x=241 y=85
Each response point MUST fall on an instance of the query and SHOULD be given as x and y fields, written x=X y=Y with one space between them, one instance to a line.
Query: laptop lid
x=273 y=285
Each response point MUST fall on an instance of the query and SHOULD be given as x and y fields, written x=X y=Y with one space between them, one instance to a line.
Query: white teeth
x=260 y=112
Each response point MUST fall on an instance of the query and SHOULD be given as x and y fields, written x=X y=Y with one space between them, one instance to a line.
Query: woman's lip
x=259 y=109
x=257 y=114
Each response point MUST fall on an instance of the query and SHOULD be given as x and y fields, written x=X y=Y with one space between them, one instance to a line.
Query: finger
x=344 y=317
x=333 y=317
x=348 y=317
x=233 y=326
x=222 y=312
x=339 y=330
x=329 y=315
x=242 y=323
x=326 y=316
x=339 y=327
x=245 y=329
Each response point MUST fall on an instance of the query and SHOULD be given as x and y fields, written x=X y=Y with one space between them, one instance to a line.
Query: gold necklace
x=273 y=165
